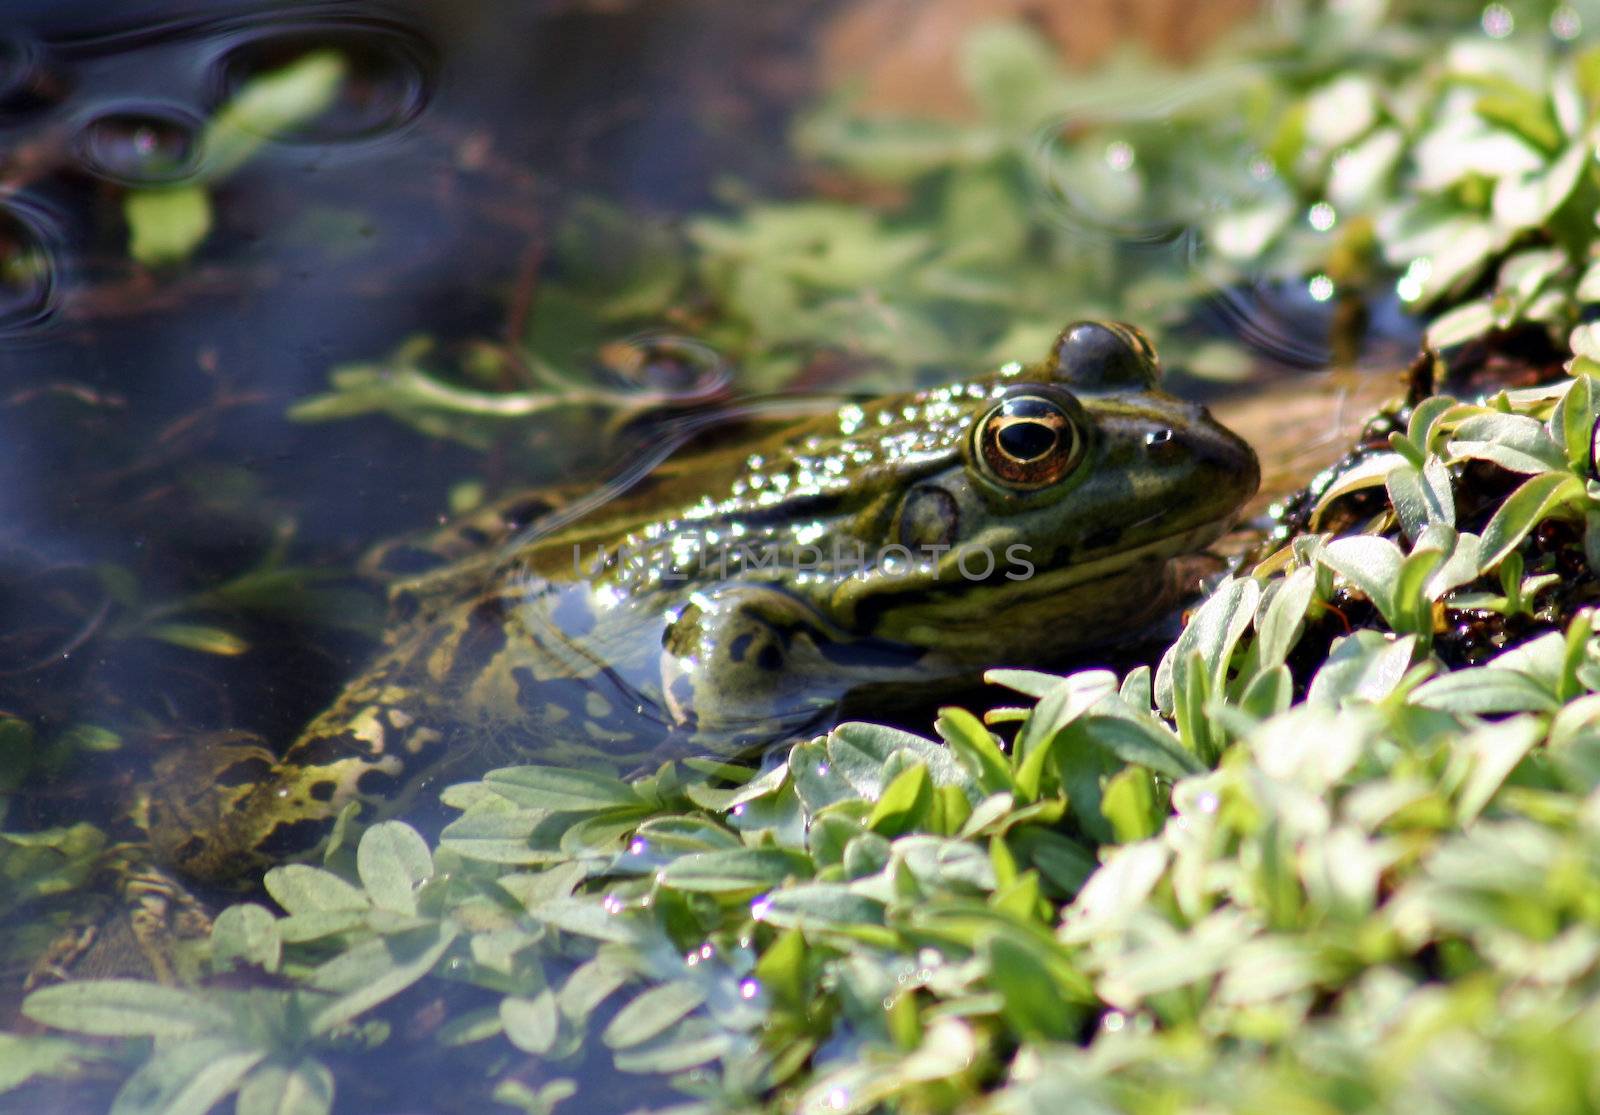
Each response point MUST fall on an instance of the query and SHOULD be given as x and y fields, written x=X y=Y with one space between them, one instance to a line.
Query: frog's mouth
x=1055 y=611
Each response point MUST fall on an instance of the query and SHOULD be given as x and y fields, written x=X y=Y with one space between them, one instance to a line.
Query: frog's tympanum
x=738 y=594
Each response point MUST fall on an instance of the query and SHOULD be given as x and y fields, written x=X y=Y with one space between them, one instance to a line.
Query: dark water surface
x=142 y=412
x=146 y=456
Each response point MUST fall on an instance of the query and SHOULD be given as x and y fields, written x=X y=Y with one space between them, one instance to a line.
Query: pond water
x=191 y=242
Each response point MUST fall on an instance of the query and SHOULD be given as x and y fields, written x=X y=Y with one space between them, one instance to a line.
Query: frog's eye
x=1106 y=356
x=1028 y=442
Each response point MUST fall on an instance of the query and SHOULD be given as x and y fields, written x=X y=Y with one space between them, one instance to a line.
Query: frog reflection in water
x=1009 y=520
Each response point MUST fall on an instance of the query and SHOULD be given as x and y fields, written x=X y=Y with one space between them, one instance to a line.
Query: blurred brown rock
x=903 y=51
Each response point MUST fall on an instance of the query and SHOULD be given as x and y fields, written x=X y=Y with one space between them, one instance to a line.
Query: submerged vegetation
x=1337 y=850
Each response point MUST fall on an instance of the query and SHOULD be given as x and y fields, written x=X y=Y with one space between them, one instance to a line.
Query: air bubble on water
x=30 y=261
x=759 y=908
x=611 y=904
x=838 y=1099
x=139 y=146
x=1411 y=284
x=1565 y=23
x=1206 y=802
x=1114 y=1021
x=749 y=988
x=1120 y=155
x=1321 y=216
x=668 y=367
x=1497 y=21
x=639 y=846
x=1320 y=288
x=389 y=74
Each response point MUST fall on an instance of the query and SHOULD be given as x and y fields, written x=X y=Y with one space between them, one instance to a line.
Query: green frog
x=744 y=590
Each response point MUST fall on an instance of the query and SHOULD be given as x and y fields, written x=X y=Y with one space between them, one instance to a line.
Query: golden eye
x=1028 y=442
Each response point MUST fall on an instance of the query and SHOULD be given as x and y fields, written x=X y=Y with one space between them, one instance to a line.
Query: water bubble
x=638 y=846
x=838 y=1099
x=673 y=368
x=613 y=905
x=1320 y=288
x=1121 y=174
x=1206 y=801
x=140 y=146
x=759 y=908
x=1411 y=284
x=1277 y=317
x=1498 y=22
x=1120 y=155
x=1114 y=1021
x=1565 y=23
x=28 y=268
x=1321 y=216
x=389 y=75
x=749 y=988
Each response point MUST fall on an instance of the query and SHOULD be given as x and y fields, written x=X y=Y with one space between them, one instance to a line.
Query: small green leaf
x=561 y=790
x=1484 y=691
x=375 y=971
x=1034 y=1006
x=1369 y=563
x=302 y=889
x=905 y=804
x=304 y=1088
x=269 y=107
x=248 y=934
x=393 y=860
x=166 y=226
x=532 y=1025
x=782 y=969
x=1129 y=803
x=1523 y=510
x=735 y=869
x=651 y=1013
x=975 y=746
x=1495 y=750
x=1142 y=740
x=126 y=1008
x=1280 y=627
x=1512 y=441
x=196 y=636
x=186 y=1078
x=1528 y=201
x=820 y=906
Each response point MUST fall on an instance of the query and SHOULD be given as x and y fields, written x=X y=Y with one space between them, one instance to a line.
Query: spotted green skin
x=629 y=626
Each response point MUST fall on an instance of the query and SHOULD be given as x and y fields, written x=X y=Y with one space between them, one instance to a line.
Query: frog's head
x=1046 y=522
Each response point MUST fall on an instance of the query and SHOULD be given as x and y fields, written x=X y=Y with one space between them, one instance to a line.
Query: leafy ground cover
x=1337 y=851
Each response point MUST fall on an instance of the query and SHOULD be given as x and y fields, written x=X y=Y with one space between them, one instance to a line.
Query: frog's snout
x=1225 y=467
